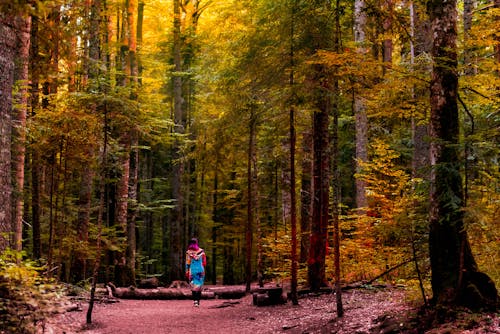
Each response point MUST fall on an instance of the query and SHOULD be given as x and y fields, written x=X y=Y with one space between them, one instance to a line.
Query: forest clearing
x=209 y=146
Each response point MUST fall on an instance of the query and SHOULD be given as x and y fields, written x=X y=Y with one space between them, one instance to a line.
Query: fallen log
x=230 y=292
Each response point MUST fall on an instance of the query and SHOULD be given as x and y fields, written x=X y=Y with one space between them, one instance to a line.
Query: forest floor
x=367 y=311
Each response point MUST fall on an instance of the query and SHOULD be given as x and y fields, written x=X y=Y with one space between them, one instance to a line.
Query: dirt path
x=312 y=315
x=364 y=309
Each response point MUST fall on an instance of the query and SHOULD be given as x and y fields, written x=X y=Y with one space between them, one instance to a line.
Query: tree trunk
x=132 y=210
x=293 y=143
x=420 y=44
x=335 y=170
x=306 y=197
x=361 y=119
x=321 y=181
x=146 y=238
x=177 y=219
x=251 y=200
x=125 y=140
x=7 y=54
x=467 y=25
x=100 y=213
x=216 y=220
x=23 y=26
x=132 y=20
x=34 y=71
x=455 y=277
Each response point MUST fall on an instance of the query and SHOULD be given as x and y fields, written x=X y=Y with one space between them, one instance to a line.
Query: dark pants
x=196 y=295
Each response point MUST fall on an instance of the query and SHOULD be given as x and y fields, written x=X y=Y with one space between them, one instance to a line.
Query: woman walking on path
x=196 y=261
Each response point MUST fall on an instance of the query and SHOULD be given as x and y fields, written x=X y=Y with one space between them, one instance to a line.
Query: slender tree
x=335 y=169
x=293 y=141
x=305 y=196
x=361 y=119
x=251 y=194
x=420 y=45
x=132 y=189
x=179 y=117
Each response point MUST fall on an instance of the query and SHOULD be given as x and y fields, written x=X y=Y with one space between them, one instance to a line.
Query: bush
x=26 y=298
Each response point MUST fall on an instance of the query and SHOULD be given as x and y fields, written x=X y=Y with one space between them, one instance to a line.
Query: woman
x=196 y=261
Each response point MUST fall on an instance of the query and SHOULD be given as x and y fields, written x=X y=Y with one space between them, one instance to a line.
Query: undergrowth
x=26 y=297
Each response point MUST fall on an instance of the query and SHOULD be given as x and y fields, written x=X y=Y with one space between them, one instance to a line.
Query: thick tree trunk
x=321 y=181
x=23 y=27
x=35 y=156
x=7 y=54
x=455 y=276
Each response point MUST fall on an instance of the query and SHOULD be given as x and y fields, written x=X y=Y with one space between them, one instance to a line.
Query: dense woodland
x=313 y=142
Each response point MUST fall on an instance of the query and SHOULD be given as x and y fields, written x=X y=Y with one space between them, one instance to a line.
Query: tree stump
x=269 y=296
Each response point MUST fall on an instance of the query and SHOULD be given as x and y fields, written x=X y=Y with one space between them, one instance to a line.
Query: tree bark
x=361 y=119
x=321 y=180
x=23 y=27
x=161 y=293
x=35 y=156
x=177 y=219
x=251 y=193
x=421 y=44
x=7 y=54
x=335 y=170
x=130 y=254
x=455 y=276
x=293 y=143
x=306 y=197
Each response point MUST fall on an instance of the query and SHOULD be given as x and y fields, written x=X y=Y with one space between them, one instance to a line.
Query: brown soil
x=366 y=311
